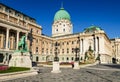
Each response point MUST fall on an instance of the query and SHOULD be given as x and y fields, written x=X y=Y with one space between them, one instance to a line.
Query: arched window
x=56 y=30
x=72 y=50
x=67 y=50
x=67 y=58
x=72 y=58
x=63 y=30
x=42 y=58
x=37 y=58
x=62 y=58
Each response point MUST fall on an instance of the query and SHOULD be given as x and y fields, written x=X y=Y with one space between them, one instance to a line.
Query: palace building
x=14 y=24
x=115 y=50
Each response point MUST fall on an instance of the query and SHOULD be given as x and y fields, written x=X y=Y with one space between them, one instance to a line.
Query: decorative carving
x=89 y=56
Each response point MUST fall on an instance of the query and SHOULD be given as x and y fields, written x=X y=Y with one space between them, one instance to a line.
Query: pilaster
x=81 y=46
x=96 y=45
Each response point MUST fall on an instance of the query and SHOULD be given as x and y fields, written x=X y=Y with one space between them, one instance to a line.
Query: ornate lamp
x=76 y=63
x=56 y=67
x=56 y=52
x=77 y=50
x=76 y=54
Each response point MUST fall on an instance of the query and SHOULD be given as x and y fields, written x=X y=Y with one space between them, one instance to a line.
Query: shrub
x=14 y=69
x=65 y=63
x=3 y=67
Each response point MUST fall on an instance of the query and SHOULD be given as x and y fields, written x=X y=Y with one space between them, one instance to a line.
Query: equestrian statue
x=22 y=45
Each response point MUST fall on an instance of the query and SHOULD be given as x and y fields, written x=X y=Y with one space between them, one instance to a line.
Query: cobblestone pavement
x=72 y=75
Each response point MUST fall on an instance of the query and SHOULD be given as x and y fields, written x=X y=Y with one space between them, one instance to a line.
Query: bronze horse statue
x=22 y=44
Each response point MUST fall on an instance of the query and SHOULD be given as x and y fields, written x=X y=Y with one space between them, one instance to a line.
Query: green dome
x=92 y=29
x=61 y=14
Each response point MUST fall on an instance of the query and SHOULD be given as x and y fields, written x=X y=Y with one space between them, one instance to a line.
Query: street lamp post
x=56 y=52
x=56 y=66
x=78 y=48
x=76 y=54
x=76 y=63
x=30 y=38
x=116 y=52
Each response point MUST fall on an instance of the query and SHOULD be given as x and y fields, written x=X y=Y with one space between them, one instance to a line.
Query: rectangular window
x=72 y=42
x=42 y=50
x=67 y=43
x=58 y=51
x=51 y=51
x=62 y=50
x=67 y=50
x=7 y=10
x=36 y=40
x=36 y=49
x=1 y=8
x=47 y=51
x=72 y=50
x=63 y=43
x=77 y=41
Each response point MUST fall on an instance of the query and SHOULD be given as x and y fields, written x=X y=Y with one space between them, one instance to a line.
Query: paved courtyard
x=98 y=73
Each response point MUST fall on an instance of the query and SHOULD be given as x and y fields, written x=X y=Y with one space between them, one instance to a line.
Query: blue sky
x=84 y=13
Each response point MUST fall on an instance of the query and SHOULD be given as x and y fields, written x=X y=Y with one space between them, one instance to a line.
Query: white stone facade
x=116 y=49
x=12 y=27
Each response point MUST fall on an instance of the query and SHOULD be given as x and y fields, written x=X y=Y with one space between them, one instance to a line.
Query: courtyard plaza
x=96 y=73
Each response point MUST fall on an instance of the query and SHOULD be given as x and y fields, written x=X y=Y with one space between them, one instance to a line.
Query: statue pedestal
x=20 y=60
x=56 y=67
x=76 y=65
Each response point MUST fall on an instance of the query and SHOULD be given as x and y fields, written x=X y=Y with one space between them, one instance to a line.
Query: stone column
x=26 y=34
x=2 y=41
x=81 y=46
x=5 y=58
x=96 y=45
x=12 y=42
x=7 y=38
x=18 y=21
x=17 y=40
x=101 y=43
x=8 y=17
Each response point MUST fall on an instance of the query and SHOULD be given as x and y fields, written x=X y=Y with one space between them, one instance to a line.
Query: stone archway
x=114 y=60
x=48 y=58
